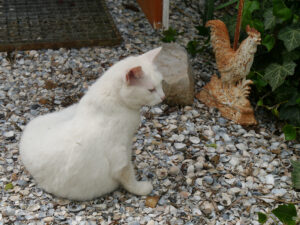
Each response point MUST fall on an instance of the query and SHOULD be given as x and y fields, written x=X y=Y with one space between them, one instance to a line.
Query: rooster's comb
x=251 y=30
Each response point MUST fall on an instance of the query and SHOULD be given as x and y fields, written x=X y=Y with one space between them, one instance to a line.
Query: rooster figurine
x=232 y=65
x=229 y=93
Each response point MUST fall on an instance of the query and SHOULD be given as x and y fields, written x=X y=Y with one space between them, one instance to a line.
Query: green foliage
x=170 y=35
x=276 y=69
x=249 y=8
x=226 y=4
x=275 y=74
x=262 y=218
x=287 y=214
x=208 y=11
x=193 y=47
x=268 y=42
x=290 y=37
x=290 y=110
x=269 y=19
x=8 y=186
x=281 y=11
x=290 y=132
x=296 y=174
x=213 y=145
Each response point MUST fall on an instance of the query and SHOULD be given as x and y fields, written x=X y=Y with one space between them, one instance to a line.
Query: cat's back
x=43 y=129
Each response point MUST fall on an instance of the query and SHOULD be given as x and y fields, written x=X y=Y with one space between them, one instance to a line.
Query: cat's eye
x=152 y=89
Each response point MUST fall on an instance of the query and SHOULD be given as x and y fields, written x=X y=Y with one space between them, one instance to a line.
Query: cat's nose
x=163 y=98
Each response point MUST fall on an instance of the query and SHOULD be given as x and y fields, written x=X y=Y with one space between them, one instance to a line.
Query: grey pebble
x=134 y=223
x=208 y=180
x=21 y=183
x=174 y=170
x=242 y=146
x=9 y=134
x=179 y=146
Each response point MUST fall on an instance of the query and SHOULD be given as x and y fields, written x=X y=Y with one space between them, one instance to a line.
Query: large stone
x=178 y=84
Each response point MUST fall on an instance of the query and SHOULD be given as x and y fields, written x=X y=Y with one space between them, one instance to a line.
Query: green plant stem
x=226 y=4
x=208 y=11
x=259 y=74
x=278 y=104
x=274 y=106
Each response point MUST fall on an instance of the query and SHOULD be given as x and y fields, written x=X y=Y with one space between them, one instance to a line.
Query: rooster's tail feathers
x=219 y=34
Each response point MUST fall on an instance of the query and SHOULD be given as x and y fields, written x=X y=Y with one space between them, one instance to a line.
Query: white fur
x=84 y=151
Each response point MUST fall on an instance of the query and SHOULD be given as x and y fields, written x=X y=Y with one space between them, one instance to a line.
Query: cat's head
x=142 y=83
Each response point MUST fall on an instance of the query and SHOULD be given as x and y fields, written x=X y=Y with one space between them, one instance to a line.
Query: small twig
x=238 y=25
x=235 y=202
x=215 y=206
x=276 y=199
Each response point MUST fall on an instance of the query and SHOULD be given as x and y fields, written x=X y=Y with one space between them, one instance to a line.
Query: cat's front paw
x=142 y=188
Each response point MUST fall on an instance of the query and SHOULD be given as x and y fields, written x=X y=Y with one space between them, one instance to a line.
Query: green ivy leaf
x=270 y=19
x=276 y=74
x=8 y=186
x=257 y=24
x=291 y=56
x=296 y=19
x=275 y=112
x=286 y=214
x=291 y=114
x=289 y=132
x=260 y=83
x=269 y=42
x=284 y=92
x=290 y=37
x=262 y=218
x=281 y=11
x=249 y=8
x=260 y=102
x=296 y=174
x=293 y=100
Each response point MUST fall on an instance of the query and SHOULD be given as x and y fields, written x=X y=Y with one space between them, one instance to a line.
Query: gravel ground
x=205 y=169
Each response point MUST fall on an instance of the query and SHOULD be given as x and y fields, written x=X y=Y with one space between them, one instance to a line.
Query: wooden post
x=238 y=25
x=153 y=10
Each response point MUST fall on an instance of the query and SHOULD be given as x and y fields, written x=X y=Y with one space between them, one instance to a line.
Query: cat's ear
x=134 y=75
x=150 y=55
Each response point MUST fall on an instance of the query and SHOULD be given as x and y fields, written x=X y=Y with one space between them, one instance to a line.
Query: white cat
x=84 y=151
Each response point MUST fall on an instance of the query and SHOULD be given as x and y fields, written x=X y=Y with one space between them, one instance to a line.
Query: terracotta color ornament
x=229 y=92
